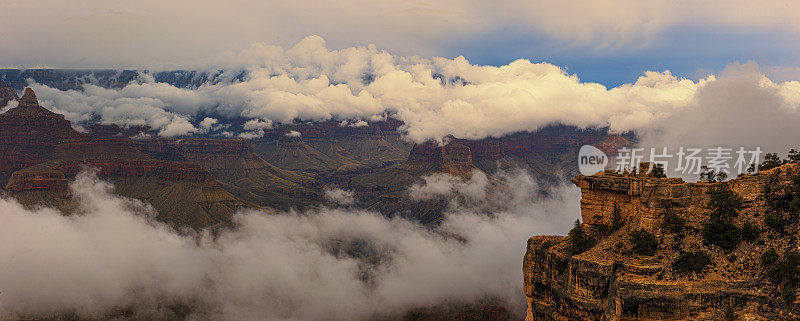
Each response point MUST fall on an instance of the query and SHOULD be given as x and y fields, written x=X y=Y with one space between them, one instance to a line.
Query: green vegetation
x=709 y=175
x=616 y=218
x=794 y=156
x=724 y=202
x=719 y=230
x=786 y=273
x=671 y=222
x=769 y=258
x=691 y=262
x=658 y=171
x=729 y=315
x=643 y=242
x=750 y=232
x=602 y=229
x=771 y=160
x=776 y=222
x=724 y=234
x=579 y=240
x=783 y=203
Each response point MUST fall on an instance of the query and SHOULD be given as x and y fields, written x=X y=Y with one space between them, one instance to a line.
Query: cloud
x=440 y=184
x=146 y=34
x=160 y=106
x=339 y=196
x=739 y=108
x=435 y=98
x=279 y=266
x=207 y=123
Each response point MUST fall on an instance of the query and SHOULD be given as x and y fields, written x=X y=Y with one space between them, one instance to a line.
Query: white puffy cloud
x=153 y=106
x=207 y=123
x=440 y=184
x=434 y=97
x=339 y=196
x=272 y=266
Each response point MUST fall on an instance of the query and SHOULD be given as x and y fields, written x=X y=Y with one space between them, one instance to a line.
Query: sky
x=610 y=42
x=470 y=69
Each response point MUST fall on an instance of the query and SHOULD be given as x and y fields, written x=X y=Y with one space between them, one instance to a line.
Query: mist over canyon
x=310 y=181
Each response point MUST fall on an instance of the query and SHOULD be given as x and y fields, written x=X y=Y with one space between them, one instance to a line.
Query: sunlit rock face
x=609 y=282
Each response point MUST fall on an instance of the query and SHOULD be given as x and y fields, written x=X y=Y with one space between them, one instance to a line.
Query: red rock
x=29 y=133
x=203 y=147
x=28 y=181
x=454 y=158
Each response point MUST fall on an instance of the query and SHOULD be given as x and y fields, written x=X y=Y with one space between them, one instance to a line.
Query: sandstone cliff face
x=609 y=282
x=454 y=159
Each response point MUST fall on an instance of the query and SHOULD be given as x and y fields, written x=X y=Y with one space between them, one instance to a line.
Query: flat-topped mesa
x=54 y=177
x=206 y=147
x=636 y=195
x=639 y=197
x=54 y=181
x=334 y=128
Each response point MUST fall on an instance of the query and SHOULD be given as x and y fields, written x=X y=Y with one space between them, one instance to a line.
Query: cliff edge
x=652 y=248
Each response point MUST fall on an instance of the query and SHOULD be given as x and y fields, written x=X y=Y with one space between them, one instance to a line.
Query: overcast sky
x=611 y=42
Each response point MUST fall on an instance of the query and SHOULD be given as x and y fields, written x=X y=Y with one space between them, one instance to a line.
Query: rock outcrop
x=29 y=133
x=610 y=282
x=40 y=152
x=454 y=159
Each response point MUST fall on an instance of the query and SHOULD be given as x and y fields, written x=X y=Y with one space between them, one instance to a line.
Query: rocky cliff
x=40 y=152
x=29 y=134
x=687 y=270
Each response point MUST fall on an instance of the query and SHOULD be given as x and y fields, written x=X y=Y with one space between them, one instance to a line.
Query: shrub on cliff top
x=658 y=171
x=711 y=176
x=643 y=242
x=579 y=240
x=691 y=262
x=771 y=160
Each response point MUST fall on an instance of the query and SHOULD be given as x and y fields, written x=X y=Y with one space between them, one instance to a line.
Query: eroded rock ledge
x=608 y=282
